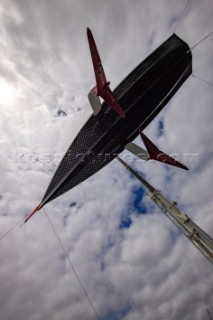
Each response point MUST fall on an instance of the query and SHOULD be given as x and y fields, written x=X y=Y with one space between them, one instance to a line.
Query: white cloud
x=148 y=270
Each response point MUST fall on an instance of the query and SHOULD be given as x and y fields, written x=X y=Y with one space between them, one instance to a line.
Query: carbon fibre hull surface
x=142 y=95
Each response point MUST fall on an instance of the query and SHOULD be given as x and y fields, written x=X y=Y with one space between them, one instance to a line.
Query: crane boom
x=201 y=240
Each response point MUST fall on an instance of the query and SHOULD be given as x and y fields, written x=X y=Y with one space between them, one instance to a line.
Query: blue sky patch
x=61 y=113
x=125 y=222
x=173 y=21
x=73 y=204
x=119 y=314
x=160 y=128
x=137 y=201
x=175 y=233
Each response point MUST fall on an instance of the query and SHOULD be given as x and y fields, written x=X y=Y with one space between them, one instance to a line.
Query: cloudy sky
x=132 y=261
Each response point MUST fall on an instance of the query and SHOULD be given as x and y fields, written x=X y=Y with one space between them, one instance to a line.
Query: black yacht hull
x=142 y=95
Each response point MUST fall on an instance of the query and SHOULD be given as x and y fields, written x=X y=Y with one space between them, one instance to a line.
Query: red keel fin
x=159 y=155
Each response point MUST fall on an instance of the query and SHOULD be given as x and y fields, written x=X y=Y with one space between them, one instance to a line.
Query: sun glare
x=8 y=93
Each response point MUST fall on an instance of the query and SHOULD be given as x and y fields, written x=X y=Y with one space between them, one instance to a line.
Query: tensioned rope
x=199 y=42
x=72 y=266
x=181 y=16
x=66 y=254
x=59 y=240
x=11 y=229
x=211 y=84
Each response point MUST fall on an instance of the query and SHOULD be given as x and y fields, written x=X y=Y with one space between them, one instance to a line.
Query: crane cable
x=11 y=229
x=20 y=223
x=181 y=16
x=71 y=265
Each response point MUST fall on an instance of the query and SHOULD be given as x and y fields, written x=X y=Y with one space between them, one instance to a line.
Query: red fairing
x=30 y=215
x=103 y=89
x=159 y=155
x=108 y=96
